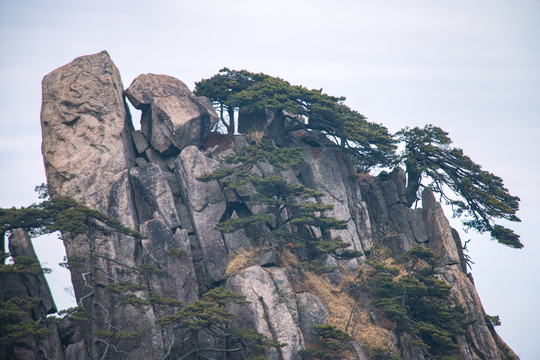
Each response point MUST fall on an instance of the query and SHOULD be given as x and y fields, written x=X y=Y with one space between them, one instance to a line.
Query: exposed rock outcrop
x=86 y=130
x=148 y=180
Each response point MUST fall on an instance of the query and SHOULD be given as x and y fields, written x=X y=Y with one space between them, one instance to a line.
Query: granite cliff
x=148 y=180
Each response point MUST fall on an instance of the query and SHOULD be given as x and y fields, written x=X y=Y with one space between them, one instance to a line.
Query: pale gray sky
x=470 y=67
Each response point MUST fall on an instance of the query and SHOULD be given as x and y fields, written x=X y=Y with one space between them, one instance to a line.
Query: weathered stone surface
x=89 y=149
x=254 y=315
x=237 y=241
x=152 y=193
x=479 y=343
x=390 y=192
x=140 y=161
x=398 y=215
x=77 y=351
x=398 y=244
x=418 y=226
x=173 y=117
x=69 y=332
x=268 y=313
x=311 y=312
x=285 y=292
x=206 y=206
x=86 y=130
x=439 y=231
x=140 y=142
x=152 y=156
x=268 y=258
x=399 y=178
x=171 y=253
x=376 y=208
x=321 y=170
x=360 y=352
x=460 y=250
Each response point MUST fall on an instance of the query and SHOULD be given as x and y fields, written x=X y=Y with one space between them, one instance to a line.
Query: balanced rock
x=172 y=117
x=86 y=130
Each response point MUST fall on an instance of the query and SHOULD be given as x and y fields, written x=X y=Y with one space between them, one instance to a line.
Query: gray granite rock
x=269 y=311
x=153 y=194
x=439 y=232
x=86 y=130
x=139 y=141
x=312 y=312
x=173 y=117
x=206 y=206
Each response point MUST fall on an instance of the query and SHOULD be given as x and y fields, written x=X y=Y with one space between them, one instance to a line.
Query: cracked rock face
x=148 y=180
x=206 y=206
x=272 y=315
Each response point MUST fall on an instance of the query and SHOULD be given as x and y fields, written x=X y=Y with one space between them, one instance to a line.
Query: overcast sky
x=470 y=67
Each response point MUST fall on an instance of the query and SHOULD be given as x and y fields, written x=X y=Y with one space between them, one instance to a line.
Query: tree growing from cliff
x=368 y=143
x=414 y=301
x=65 y=215
x=183 y=323
x=220 y=89
x=60 y=214
x=289 y=215
x=209 y=317
x=332 y=344
x=481 y=195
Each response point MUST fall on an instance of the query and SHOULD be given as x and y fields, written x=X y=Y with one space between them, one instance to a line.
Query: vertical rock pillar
x=87 y=151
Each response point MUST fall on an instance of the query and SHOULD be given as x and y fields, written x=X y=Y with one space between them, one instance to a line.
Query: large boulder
x=88 y=151
x=172 y=117
x=86 y=130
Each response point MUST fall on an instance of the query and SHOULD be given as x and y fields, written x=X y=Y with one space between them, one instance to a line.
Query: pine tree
x=481 y=195
x=415 y=302
x=369 y=144
x=290 y=216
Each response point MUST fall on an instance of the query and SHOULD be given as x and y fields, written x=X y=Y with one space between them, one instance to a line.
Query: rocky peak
x=148 y=179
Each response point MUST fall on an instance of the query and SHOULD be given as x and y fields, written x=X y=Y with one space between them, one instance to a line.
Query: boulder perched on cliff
x=86 y=130
x=173 y=117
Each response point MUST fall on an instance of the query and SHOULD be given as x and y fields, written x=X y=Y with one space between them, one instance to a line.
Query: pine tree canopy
x=481 y=195
x=59 y=214
x=369 y=143
x=476 y=195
